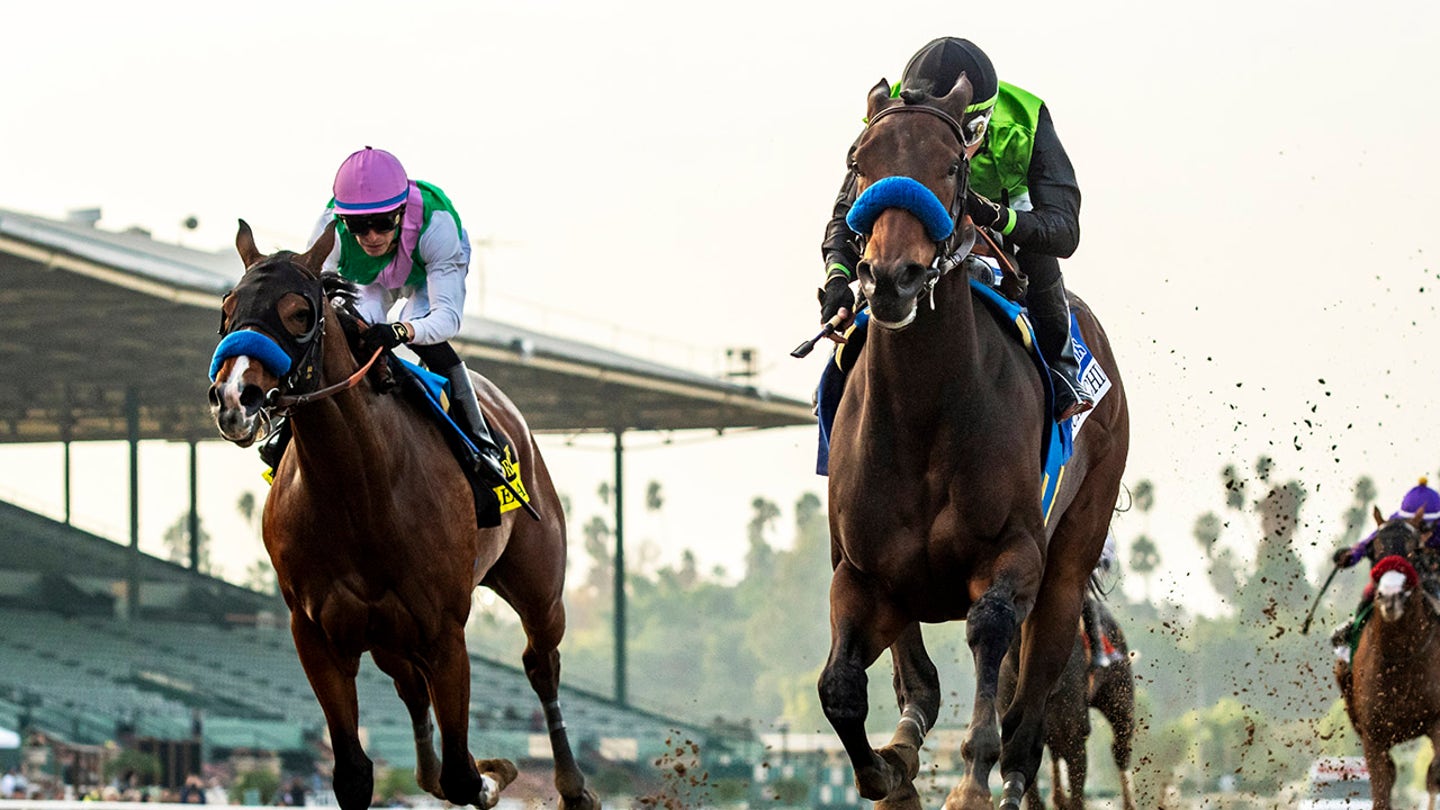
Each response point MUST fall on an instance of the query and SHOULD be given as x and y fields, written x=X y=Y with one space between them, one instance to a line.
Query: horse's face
x=1395 y=544
x=900 y=250
x=271 y=322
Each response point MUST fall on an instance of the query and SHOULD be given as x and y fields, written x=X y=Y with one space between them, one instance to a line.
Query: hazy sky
x=1259 y=188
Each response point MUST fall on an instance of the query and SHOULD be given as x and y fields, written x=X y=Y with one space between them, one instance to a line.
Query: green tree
x=1144 y=559
x=177 y=543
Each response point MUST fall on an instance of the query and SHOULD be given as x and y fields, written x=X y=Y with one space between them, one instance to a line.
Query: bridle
x=298 y=386
x=950 y=245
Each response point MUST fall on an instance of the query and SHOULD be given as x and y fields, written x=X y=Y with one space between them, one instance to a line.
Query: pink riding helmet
x=370 y=181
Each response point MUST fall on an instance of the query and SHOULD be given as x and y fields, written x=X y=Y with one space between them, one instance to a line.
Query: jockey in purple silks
x=1420 y=498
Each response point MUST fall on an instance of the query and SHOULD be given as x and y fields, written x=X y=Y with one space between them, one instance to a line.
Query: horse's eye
x=954 y=169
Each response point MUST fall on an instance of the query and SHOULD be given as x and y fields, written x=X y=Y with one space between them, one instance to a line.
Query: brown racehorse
x=935 y=477
x=1392 y=686
x=1109 y=690
x=371 y=527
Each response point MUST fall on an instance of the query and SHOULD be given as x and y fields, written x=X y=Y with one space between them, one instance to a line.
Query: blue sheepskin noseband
x=900 y=192
x=250 y=343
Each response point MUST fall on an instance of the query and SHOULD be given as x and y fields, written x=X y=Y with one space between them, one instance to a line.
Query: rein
x=285 y=402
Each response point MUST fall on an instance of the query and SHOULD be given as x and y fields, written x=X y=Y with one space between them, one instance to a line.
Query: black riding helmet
x=935 y=68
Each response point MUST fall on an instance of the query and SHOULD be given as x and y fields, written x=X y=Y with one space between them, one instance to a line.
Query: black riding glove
x=835 y=296
x=1341 y=557
x=383 y=336
x=984 y=212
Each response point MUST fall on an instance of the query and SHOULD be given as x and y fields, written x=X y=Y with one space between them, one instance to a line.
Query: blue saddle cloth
x=434 y=392
x=1057 y=440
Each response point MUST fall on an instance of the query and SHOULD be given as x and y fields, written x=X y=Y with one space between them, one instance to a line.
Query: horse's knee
x=842 y=692
x=990 y=627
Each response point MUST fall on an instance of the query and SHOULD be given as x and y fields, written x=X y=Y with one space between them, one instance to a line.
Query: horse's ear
x=959 y=98
x=245 y=243
x=1419 y=519
x=879 y=99
x=315 y=257
x=1379 y=518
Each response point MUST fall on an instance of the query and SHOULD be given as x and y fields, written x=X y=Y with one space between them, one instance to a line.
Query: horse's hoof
x=878 y=780
x=1013 y=792
x=903 y=758
x=969 y=795
x=903 y=797
x=502 y=771
x=587 y=800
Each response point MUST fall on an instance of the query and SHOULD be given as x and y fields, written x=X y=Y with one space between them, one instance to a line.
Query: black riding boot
x=1050 y=313
x=462 y=393
x=272 y=448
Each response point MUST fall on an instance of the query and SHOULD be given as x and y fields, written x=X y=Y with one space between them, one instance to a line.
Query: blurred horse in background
x=1081 y=687
x=1392 y=685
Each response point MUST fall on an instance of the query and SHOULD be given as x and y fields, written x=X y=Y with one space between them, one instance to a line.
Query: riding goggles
x=362 y=224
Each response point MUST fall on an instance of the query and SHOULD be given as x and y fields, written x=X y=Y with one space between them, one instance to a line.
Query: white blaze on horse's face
x=1390 y=595
x=235 y=400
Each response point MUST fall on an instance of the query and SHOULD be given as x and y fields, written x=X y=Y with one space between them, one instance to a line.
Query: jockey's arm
x=840 y=248
x=446 y=251
x=1052 y=225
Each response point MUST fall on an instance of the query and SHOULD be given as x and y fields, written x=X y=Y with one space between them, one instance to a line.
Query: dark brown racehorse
x=1109 y=690
x=371 y=527
x=1392 y=686
x=935 y=476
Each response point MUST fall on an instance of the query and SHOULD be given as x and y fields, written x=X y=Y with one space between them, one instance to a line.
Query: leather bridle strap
x=947 y=118
x=276 y=400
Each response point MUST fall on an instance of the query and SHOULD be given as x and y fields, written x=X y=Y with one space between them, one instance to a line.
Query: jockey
x=1102 y=651
x=1022 y=187
x=402 y=238
x=1420 y=497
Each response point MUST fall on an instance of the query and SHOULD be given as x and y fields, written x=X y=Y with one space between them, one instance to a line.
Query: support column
x=67 y=482
x=620 y=686
x=132 y=560
x=194 y=514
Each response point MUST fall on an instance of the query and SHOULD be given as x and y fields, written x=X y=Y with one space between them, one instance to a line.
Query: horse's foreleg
x=1116 y=702
x=332 y=678
x=1382 y=772
x=415 y=694
x=917 y=693
x=1047 y=642
x=990 y=630
x=862 y=624
x=449 y=677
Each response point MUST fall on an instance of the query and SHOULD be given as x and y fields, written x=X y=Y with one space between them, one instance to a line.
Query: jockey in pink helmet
x=399 y=238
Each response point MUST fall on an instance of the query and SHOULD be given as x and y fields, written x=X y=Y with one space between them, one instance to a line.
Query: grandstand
x=69 y=667
x=101 y=338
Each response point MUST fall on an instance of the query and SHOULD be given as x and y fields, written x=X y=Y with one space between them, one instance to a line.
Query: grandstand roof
x=86 y=314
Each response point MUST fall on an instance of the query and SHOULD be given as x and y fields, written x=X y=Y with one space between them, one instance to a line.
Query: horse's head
x=911 y=172
x=271 y=325
x=1395 y=544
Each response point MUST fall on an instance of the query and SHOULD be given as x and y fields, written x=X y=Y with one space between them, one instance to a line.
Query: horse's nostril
x=215 y=395
x=251 y=398
x=864 y=271
x=912 y=275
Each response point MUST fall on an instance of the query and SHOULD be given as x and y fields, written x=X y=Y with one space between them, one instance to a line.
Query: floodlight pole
x=620 y=566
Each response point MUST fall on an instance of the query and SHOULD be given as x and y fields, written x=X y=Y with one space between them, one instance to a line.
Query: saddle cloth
x=1057 y=440
x=431 y=392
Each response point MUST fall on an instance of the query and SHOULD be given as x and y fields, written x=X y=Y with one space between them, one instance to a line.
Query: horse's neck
x=936 y=361
x=350 y=431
